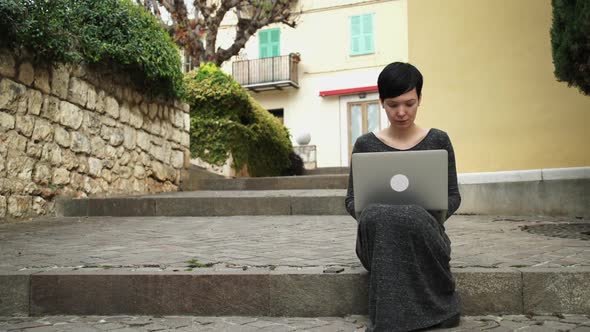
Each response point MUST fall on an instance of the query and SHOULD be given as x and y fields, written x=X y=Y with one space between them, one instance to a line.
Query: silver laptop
x=401 y=177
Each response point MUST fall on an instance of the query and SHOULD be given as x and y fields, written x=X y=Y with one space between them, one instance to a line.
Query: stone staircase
x=289 y=212
x=209 y=194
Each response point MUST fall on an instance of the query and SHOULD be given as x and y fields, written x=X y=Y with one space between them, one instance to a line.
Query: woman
x=404 y=248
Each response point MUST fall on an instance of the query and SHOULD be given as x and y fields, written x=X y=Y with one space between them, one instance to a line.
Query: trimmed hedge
x=89 y=31
x=570 y=41
x=226 y=119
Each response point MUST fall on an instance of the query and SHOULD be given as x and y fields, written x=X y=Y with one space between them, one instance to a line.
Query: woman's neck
x=402 y=133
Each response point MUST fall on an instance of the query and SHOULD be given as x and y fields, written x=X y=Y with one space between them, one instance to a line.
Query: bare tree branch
x=152 y=7
x=279 y=12
x=188 y=32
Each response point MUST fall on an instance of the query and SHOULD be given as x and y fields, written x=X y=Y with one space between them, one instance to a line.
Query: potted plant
x=295 y=56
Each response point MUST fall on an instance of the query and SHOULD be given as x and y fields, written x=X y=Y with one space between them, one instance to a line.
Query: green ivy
x=226 y=119
x=115 y=32
x=217 y=95
x=270 y=145
x=212 y=139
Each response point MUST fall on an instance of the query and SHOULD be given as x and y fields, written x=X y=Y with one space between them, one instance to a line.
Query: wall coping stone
x=570 y=173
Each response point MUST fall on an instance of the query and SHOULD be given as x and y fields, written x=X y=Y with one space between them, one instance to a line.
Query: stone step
x=211 y=203
x=303 y=292
x=333 y=181
x=552 y=192
x=269 y=265
x=353 y=323
x=196 y=172
x=547 y=197
x=326 y=171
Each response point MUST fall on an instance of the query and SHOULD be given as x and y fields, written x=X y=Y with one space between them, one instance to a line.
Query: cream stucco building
x=487 y=67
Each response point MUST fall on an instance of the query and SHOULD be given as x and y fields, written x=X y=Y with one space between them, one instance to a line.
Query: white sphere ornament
x=303 y=138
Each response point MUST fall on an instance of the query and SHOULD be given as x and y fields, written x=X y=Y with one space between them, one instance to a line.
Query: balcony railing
x=267 y=74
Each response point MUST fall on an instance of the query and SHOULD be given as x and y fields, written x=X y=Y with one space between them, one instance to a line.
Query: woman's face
x=401 y=110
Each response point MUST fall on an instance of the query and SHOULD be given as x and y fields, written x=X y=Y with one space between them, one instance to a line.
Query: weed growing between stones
x=194 y=263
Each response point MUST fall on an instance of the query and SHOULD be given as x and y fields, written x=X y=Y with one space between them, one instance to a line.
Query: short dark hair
x=398 y=78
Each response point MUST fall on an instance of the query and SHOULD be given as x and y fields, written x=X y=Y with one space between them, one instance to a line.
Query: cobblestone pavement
x=262 y=241
x=572 y=323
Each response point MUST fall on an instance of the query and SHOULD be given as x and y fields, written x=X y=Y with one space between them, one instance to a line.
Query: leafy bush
x=570 y=41
x=270 y=145
x=217 y=95
x=212 y=139
x=296 y=164
x=90 y=31
x=226 y=119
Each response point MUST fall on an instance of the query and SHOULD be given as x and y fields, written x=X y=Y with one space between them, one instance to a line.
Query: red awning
x=350 y=91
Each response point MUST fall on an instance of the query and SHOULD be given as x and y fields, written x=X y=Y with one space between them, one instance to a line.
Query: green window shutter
x=263 y=49
x=355 y=35
x=368 y=33
x=269 y=42
x=361 y=34
x=275 y=42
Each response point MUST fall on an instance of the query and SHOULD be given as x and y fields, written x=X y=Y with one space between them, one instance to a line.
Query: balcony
x=274 y=73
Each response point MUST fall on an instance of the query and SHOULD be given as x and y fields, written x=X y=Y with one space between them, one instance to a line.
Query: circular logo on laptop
x=399 y=182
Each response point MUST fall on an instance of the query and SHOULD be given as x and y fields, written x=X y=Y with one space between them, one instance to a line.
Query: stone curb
x=214 y=205
x=290 y=293
x=337 y=181
x=340 y=181
x=571 y=173
x=326 y=170
x=547 y=197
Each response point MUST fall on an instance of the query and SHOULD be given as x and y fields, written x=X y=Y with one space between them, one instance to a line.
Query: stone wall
x=77 y=131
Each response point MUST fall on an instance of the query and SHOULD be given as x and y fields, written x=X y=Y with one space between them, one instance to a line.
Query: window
x=269 y=42
x=361 y=34
x=187 y=62
x=279 y=113
x=363 y=117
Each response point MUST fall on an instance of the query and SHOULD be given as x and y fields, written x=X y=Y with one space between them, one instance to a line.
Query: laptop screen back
x=400 y=178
